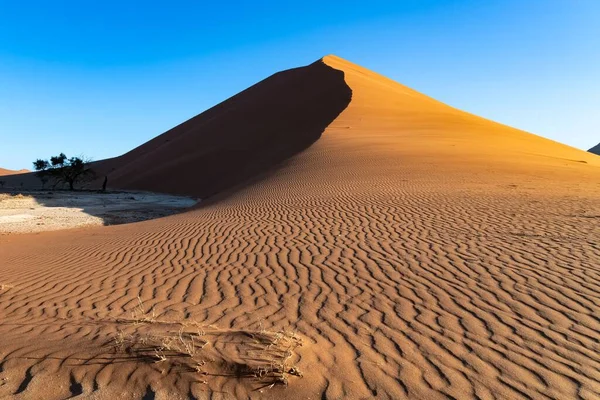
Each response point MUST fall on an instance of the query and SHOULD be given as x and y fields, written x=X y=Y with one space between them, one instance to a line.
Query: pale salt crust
x=56 y=210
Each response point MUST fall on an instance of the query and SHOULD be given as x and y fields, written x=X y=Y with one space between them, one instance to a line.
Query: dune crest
x=415 y=251
x=4 y=171
x=237 y=139
x=429 y=127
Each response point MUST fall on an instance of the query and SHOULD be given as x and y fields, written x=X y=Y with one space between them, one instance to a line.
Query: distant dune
x=416 y=251
x=12 y=172
x=595 y=149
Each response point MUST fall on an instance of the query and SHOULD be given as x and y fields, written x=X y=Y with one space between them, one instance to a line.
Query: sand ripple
x=406 y=276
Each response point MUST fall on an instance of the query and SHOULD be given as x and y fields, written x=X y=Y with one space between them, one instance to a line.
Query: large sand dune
x=595 y=149
x=235 y=140
x=417 y=251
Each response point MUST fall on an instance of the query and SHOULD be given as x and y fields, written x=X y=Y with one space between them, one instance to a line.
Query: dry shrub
x=266 y=357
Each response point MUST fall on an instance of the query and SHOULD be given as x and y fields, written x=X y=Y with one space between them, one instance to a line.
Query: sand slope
x=12 y=172
x=595 y=149
x=418 y=251
x=235 y=140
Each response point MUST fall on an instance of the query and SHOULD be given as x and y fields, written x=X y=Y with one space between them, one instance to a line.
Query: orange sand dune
x=12 y=172
x=238 y=138
x=416 y=251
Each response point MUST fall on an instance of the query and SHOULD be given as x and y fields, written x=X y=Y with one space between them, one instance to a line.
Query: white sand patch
x=46 y=211
x=8 y=219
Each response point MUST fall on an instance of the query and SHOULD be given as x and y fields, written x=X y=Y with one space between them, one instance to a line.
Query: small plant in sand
x=267 y=357
x=63 y=170
x=178 y=348
x=276 y=350
x=140 y=315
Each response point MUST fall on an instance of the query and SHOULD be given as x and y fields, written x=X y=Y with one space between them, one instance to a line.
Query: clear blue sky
x=101 y=77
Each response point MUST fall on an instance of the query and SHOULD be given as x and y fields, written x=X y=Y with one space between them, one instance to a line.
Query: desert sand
x=4 y=171
x=362 y=241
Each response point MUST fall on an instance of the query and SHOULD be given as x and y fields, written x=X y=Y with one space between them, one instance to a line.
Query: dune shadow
x=237 y=140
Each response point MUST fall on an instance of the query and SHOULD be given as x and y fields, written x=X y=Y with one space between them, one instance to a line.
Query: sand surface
x=413 y=251
x=4 y=171
x=56 y=210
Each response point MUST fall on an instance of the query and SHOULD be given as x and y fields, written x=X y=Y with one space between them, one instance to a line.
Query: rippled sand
x=412 y=252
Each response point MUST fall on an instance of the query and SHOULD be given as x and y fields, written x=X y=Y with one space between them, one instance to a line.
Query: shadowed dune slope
x=246 y=134
x=418 y=251
x=595 y=149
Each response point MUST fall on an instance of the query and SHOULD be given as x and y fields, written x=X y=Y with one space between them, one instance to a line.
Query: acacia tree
x=63 y=170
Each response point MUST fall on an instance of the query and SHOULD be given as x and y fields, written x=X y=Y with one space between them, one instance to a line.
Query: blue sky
x=100 y=78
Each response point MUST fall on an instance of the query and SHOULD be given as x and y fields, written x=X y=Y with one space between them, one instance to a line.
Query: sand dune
x=12 y=172
x=416 y=251
x=237 y=139
x=595 y=149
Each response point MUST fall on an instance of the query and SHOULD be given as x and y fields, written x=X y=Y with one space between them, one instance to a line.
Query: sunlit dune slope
x=418 y=251
x=4 y=172
x=384 y=111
